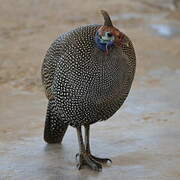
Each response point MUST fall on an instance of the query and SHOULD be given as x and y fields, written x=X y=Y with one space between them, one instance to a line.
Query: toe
x=79 y=166
x=101 y=160
x=94 y=164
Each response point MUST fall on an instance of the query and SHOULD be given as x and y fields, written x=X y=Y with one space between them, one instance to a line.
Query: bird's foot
x=91 y=161
x=86 y=159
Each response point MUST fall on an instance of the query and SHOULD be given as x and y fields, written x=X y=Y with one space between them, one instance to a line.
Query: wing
x=130 y=59
x=49 y=67
x=128 y=50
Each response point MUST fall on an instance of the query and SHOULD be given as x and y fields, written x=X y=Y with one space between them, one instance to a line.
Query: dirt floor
x=142 y=138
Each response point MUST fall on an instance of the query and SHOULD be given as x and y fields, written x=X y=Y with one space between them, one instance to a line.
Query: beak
x=107 y=50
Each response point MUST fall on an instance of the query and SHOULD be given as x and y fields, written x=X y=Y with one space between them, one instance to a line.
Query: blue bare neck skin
x=104 y=46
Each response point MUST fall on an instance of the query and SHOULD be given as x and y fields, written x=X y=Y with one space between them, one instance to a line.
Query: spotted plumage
x=87 y=74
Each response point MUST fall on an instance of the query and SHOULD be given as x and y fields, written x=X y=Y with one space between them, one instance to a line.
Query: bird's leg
x=87 y=147
x=84 y=158
x=81 y=148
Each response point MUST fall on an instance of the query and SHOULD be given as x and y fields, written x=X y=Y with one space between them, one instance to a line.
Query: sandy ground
x=142 y=138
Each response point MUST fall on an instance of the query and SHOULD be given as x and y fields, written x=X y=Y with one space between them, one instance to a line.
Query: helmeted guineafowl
x=87 y=74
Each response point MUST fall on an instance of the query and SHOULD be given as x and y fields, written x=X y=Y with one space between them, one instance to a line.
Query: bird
x=87 y=74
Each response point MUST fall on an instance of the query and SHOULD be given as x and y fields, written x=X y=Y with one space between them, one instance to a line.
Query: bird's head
x=107 y=35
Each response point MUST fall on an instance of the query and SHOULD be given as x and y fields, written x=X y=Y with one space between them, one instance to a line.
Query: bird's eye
x=109 y=34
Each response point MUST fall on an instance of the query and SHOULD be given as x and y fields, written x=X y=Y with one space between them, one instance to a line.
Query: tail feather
x=55 y=128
